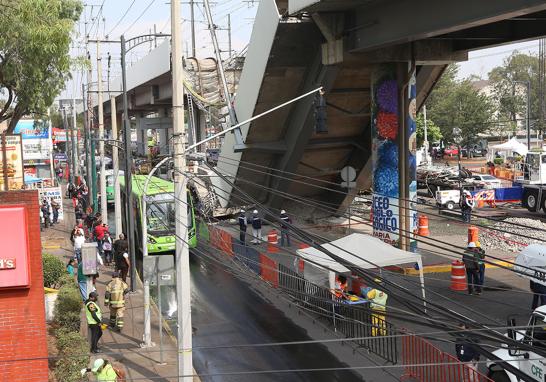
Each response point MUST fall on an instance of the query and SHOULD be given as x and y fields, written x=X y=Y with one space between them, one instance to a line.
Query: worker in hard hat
x=467 y=204
x=284 y=228
x=104 y=371
x=256 y=228
x=243 y=224
x=471 y=264
x=378 y=304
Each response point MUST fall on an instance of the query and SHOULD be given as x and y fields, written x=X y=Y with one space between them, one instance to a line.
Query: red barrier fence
x=426 y=363
x=268 y=270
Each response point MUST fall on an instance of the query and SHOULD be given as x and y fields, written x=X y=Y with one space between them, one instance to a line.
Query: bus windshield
x=160 y=214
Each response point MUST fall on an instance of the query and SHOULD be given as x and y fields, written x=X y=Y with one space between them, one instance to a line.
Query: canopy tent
x=511 y=146
x=363 y=251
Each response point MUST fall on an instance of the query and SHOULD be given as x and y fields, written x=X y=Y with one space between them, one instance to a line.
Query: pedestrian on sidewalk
x=72 y=267
x=284 y=228
x=256 y=228
x=243 y=224
x=104 y=371
x=79 y=239
x=115 y=300
x=82 y=282
x=45 y=212
x=55 y=209
x=120 y=245
x=481 y=263
x=100 y=231
x=123 y=264
x=94 y=320
x=470 y=260
x=107 y=247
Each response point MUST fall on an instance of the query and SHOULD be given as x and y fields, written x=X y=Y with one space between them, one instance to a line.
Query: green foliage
x=73 y=349
x=66 y=279
x=67 y=312
x=34 y=53
x=433 y=131
x=53 y=270
x=498 y=161
x=456 y=104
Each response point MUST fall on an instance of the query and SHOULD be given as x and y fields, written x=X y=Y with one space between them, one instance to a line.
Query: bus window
x=160 y=214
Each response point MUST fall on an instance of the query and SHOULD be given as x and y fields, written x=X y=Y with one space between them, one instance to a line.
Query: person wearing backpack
x=471 y=263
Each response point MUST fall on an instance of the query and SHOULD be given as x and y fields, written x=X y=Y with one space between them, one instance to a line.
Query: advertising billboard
x=14 y=161
x=36 y=139
x=53 y=194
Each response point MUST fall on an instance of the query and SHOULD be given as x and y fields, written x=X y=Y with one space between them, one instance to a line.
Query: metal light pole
x=458 y=139
x=115 y=164
x=147 y=316
x=103 y=201
x=75 y=142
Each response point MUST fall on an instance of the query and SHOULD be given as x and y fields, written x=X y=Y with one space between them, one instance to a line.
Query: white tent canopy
x=512 y=145
x=363 y=251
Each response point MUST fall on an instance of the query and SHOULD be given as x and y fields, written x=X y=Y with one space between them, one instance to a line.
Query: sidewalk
x=121 y=348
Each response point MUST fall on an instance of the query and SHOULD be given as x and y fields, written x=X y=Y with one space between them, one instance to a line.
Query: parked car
x=475 y=152
x=451 y=151
x=489 y=180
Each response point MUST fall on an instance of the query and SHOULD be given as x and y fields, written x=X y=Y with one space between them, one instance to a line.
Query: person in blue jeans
x=284 y=228
x=481 y=264
x=82 y=282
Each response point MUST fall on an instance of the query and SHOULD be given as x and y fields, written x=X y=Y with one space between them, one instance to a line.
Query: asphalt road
x=225 y=310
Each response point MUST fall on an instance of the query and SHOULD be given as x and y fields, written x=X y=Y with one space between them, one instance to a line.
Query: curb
x=446 y=268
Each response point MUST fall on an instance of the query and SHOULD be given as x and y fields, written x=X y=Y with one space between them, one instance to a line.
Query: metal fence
x=375 y=333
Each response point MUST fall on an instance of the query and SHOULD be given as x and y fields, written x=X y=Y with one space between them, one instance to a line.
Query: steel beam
x=427 y=76
x=387 y=23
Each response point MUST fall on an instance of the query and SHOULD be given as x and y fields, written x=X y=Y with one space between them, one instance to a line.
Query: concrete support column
x=142 y=138
x=393 y=153
x=163 y=141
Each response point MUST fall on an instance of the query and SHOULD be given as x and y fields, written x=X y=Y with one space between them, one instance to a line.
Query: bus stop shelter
x=363 y=251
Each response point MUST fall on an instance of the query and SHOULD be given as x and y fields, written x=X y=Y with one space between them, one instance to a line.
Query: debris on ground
x=509 y=237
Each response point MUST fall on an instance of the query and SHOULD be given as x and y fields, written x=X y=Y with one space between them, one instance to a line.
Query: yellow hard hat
x=478 y=244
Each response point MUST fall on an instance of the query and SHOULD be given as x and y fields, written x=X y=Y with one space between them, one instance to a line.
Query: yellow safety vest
x=90 y=319
x=114 y=293
x=378 y=299
x=107 y=374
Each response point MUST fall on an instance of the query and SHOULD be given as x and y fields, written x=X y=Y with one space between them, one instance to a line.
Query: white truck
x=531 y=264
x=532 y=177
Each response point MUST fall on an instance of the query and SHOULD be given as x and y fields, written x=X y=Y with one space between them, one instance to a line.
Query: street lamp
x=458 y=138
x=528 y=116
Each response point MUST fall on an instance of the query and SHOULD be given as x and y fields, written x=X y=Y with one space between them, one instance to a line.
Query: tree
x=458 y=104
x=433 y=131
x=34 y=54
x=510 y=95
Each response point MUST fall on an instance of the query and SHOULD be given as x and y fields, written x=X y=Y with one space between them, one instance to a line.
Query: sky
x=111 y=18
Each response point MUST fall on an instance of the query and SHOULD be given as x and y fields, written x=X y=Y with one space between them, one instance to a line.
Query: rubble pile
x=510 y=240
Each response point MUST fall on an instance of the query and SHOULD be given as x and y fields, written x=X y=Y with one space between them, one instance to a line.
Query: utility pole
x=128 y=167
x=115 y=164
x=69 y=156
x=425 y=141
x=75 y=142
x=229 y=33
x=183 y=297
x=87 y=141
x=51 y=162
x=91 y=165
x=103 y=201
x=192 y=22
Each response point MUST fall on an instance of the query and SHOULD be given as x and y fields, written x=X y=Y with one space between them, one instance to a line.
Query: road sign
x=162 y=265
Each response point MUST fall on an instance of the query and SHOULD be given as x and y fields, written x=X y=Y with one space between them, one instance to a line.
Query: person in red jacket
x=100 y=230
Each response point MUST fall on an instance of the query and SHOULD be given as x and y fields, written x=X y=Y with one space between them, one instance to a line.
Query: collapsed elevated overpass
x=298 y=45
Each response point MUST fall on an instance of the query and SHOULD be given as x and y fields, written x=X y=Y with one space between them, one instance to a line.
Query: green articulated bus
x=160 y=214
x=109 y=174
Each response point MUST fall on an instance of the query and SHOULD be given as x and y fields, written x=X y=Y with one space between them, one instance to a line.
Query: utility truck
x=531 y=174
x=530 y=264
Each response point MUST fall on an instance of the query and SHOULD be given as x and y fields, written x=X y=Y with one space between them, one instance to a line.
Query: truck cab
x=529 y=362
x=534 y=168
x=531 y=174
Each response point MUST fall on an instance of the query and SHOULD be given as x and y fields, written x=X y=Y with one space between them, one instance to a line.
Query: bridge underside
x=299 y=45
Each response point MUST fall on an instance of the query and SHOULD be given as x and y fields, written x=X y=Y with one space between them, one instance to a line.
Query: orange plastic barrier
x=458 y=276
x=423 y=225
x=424 y=362
x=473 y=234
x=272 y=241
x=268 y=270
x=226 y=244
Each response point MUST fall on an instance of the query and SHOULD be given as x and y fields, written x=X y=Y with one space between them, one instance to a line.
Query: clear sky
x=135 y=17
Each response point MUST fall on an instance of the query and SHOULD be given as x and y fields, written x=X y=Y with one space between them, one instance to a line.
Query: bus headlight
x=151 y=240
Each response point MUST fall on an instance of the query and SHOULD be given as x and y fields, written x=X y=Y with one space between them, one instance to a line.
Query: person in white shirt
x=79 y=239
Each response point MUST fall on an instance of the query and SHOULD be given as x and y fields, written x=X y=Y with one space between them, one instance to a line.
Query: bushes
x=68 y=307
x=53 y=269
x=498 y=161
x=66 y=279
x=73 y=349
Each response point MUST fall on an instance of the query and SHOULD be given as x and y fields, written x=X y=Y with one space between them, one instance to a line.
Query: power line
x=138 y=18
x=121 y=18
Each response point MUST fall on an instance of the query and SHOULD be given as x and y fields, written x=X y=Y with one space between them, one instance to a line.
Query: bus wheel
x=499 y=376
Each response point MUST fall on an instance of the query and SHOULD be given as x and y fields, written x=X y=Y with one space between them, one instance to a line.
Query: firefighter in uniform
x=115 y=300
x=378 y=303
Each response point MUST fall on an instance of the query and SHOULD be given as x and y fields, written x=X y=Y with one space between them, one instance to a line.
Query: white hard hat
x=255 y=211
x=471 y=245
x=283 y=211
x=242 y=210
x=97 y=365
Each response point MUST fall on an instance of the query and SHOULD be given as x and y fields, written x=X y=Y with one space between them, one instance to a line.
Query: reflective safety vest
x=378 y=299
x=107 y=374
x=114 y=293
x=89 y=307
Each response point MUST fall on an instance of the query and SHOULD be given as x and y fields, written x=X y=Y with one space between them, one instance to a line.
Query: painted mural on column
x=385 y=153
x=412 y=146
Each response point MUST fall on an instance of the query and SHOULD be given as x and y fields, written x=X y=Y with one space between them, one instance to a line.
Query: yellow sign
x=14 y=163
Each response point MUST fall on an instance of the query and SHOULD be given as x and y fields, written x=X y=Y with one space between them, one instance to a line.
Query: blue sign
x=31 y=130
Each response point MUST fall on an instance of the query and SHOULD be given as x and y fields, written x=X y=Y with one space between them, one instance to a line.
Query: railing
x=426 y=363
x=374 y=332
